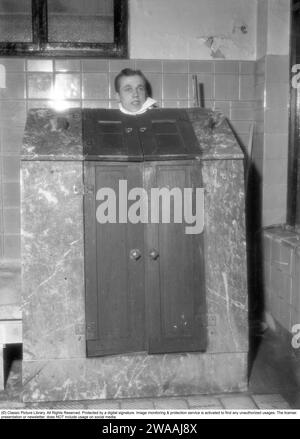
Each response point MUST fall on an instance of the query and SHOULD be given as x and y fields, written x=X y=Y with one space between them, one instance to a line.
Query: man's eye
x=127 y=89
x=141 y=88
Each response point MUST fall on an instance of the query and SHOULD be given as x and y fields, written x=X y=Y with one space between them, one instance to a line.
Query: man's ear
x=118 y=97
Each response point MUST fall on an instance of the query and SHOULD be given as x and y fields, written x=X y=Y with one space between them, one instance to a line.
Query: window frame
x=42 y=48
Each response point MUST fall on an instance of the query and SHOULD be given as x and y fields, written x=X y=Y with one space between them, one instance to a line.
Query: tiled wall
x=228 y=85
x=281 y=263
x=279 y=255
x=244 y=91
x=270 y=148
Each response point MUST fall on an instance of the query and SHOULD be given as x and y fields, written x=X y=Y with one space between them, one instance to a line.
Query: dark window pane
x=15 y=21
x=88 y=21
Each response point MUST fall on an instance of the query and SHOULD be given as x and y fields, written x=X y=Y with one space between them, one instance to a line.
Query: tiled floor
x=216 y=402
x=273 y=384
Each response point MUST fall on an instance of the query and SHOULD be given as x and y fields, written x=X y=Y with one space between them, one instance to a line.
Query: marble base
x=55 y=366
x=134 y=376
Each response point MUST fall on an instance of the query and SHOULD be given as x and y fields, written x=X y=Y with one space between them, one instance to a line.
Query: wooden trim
x=35 y=21
x=292 y=169
x=295 y=5
x=120 y=26
x=43 y=23
x=293 y=150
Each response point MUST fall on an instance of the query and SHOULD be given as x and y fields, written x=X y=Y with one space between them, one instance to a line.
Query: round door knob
x=135 y=254
x=153 y=254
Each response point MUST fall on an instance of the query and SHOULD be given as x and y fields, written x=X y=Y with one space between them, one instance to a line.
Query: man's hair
x=131 y=72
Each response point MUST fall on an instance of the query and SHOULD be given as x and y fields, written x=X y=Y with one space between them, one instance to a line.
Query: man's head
x=131 y=89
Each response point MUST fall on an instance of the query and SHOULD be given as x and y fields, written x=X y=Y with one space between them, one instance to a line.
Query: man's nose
x=135 y=92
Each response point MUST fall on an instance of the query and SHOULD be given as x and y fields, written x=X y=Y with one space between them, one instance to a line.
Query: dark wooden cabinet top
x=164 y=134
x=101 y=134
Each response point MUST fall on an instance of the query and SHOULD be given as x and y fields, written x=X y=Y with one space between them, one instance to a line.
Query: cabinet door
x=167 y=134
x=114 y=272
x=109 y=135
x=174 y=271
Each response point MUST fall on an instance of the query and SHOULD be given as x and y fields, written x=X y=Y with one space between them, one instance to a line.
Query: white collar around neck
x=146 y=105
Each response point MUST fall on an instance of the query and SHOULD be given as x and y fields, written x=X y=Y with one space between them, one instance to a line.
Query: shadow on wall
x=255 y=260
x=253 y=213
x=13 y=353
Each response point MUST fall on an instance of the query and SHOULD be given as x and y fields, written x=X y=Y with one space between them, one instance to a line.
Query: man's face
x=132 y=93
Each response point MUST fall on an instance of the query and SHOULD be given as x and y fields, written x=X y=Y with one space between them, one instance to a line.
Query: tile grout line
x=222 y=405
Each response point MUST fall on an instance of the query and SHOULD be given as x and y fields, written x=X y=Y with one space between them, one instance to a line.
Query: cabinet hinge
x=88 y=189
x=84 y=189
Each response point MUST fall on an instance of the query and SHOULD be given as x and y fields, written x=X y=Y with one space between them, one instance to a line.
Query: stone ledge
x=284 y=233
x=10 y=289
x=147 y=377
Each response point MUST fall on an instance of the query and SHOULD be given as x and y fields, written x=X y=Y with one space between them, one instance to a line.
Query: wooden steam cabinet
x=145 y=286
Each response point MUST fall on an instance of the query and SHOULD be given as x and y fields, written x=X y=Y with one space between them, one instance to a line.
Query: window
x=64 y=28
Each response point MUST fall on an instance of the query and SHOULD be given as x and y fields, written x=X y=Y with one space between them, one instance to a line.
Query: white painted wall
x=192 y=29
x=278 y=27
x=273 y=27
x=262 y=28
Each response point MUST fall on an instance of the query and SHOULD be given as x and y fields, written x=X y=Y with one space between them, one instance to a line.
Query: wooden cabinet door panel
x=168 y=135
x=110 y=136
x=115 y=291
x=175 y=278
